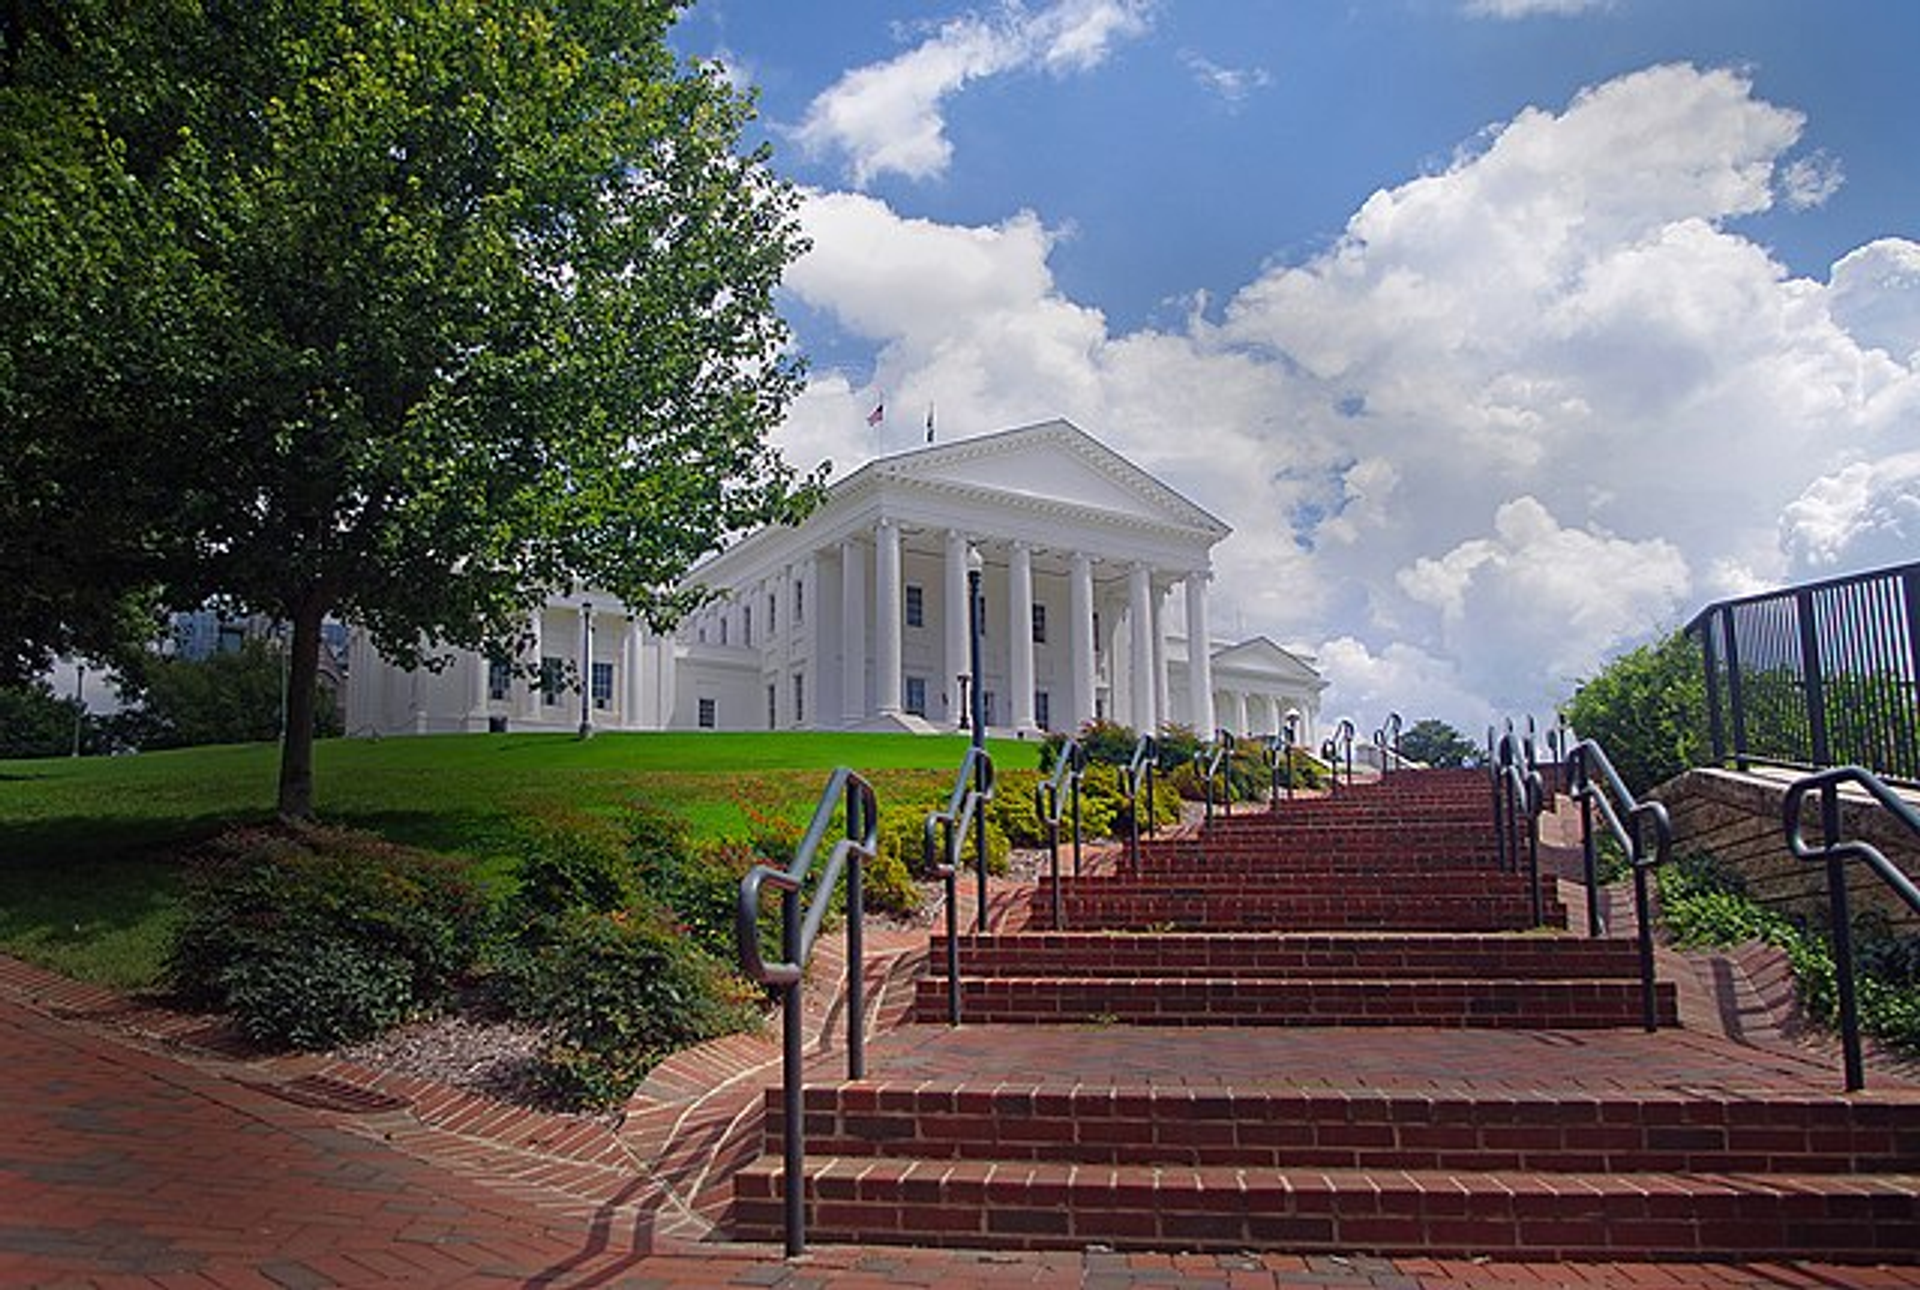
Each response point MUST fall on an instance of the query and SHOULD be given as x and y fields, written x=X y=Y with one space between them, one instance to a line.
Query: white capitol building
x=856 y=618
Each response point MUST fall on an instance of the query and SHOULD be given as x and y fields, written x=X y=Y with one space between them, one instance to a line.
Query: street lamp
x=586 y=670
x=979 y=712
x=79 y=703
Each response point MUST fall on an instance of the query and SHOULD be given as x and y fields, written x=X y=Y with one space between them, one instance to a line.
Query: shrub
x=564 y=867
x=315 y=936
x=1015 y=809
x=620 y=991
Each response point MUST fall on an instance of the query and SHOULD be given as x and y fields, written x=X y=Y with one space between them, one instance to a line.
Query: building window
x=986 y=704
x=499 y=679
x=916 y=606
x=773 y=614
x=709 y=717
x=602 y=685
x=746 y=624
x=917 y=695
x=1039 y=623
x=1096 y=632
x=552 y=680
x=723 y=629
x=773 y=707
x=799 y=601
x=1042 y=713
x=799 y=698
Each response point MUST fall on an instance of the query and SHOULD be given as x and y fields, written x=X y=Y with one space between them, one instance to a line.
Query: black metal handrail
x=1387 y=739
x=1519 y=796
x=1627 y=819
x=1332 y=747
x=972 y=786
x=797 y=934
x=1052 y=796
x=1822 y=674
x=1278 y=752
x=1140 y=772
x=1214 y=761
x=1835 y=853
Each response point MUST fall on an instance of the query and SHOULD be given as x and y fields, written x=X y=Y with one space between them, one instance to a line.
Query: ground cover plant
x=1704 y=904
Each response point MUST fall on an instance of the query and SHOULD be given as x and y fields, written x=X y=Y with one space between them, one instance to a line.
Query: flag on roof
x=878 y=414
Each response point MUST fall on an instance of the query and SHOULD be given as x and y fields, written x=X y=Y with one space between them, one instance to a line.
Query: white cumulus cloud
x=1860 y=517
x=1521 y=413
x=889 y=116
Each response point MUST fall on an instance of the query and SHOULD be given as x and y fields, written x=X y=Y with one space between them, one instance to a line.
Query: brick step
x=1410 y=866
x=1266 y=1001
x=1284 y=954
x=1039 y=1205
x=1698 y=1132
x=1231 y=907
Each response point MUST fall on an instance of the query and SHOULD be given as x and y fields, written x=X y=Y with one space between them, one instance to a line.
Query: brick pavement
x=135 y=1152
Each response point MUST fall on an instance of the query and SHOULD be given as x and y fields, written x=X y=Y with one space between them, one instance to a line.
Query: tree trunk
x=296 y=746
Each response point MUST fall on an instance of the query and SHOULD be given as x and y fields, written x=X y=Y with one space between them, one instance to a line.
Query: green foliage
x=1703 y=904
x=569 y=866
x=1435 y=743
x=230 y=697
x=409 y=312
x=313 y=937
x=1108 y=742
x=620 y=989
x=1015 y=809
x=35 y=722
x=1647 y=708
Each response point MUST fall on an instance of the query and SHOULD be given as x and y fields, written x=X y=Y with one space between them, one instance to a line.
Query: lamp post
x=79 y=703
x=978 y=711
x=586 y=670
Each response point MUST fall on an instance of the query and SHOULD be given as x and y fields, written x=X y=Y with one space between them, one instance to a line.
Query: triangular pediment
x=1263 y=656
x=1054 y=462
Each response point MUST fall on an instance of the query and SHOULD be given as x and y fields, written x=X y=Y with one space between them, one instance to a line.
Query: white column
x=665 y=696
x=477 y=718
x=853 y=634
x=1020 y=634
x=1199 y=653
x=953 y=616
x=1161 y=707
x=886 y=616
x=633 y=703
x=536 y=647
x=1140 y=648
x=1080 y=638
x=1239 y=699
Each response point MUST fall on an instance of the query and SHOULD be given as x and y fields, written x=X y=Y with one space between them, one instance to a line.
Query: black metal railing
x=1140 y=779
x=1214 y=762
x=797 y=934
x=1277 y=750
x=1823 y=674
x=1053 y=795
x=1337 y=746
x=1387 y=739
x=1628 y=820
x=942 y=840
x=1518 y=798
x=1835 y=852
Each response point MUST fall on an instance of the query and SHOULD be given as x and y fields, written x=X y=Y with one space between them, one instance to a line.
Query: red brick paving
x=128 y=1161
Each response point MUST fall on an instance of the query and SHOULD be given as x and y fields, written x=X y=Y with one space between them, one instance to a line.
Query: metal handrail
x=1278 y=751
x=1616 y=802
x=1330 y=749
x=1519 y=792
x=971 y=786
x=1051 y=796
x=1141 y=770
x=797 y=935
x=1210 y=759
x=1835 y=853
x=1387 y=740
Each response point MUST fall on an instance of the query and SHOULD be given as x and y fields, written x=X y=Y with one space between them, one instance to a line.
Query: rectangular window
x=553 y=674
x=799 y=698
x=1042 y=713
x=1096 y=633
x=746 y=624
x=917 y=695
x=499 y=679
x=602 y=685
x=773 y=707
x=773 y=614
x=986 y=704
x=799 y=601
x=723 y=629
x=1039 y=623
x=708 y=717
x=916 y=606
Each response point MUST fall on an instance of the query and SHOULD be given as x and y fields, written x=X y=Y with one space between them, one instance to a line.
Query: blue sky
x=1505 y=333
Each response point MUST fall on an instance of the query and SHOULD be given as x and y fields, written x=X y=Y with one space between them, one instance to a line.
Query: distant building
x=856 y=618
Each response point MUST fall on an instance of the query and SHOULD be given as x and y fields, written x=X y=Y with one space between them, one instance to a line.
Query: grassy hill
x=90 y=847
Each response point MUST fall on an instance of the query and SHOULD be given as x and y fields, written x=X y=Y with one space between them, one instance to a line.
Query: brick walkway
x=134 y=1153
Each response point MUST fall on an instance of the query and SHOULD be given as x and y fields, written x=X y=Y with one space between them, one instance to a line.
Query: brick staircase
x=1329 y=1029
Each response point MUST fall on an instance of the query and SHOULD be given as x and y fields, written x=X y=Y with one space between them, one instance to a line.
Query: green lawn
x=89 y=848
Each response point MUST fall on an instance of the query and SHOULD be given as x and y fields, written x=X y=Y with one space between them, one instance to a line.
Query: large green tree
x=1648 y=710
x=404 y=311
x=1435 y=743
